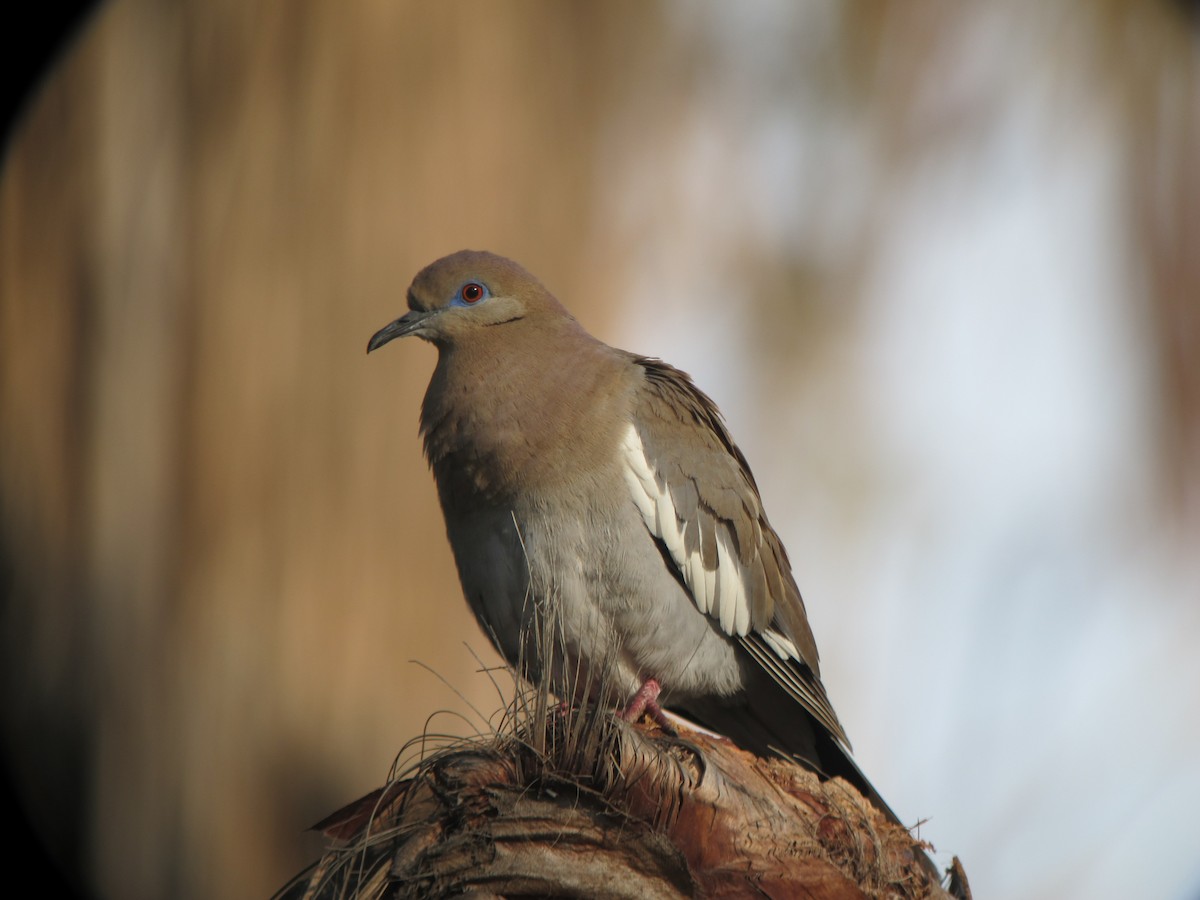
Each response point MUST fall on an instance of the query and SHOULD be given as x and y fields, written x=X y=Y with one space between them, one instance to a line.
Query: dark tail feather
x=800 y=739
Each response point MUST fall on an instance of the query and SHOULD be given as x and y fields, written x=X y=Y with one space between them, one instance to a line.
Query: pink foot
x=645 y=702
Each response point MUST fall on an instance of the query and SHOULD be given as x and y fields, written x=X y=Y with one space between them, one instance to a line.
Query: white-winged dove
x=602 y=488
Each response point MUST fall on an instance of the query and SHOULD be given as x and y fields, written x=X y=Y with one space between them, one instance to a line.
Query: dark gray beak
x=408 y=323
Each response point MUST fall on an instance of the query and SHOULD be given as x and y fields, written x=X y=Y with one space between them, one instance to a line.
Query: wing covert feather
x=698 y=496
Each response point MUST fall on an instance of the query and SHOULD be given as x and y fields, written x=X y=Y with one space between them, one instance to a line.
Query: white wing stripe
x=720 y=593
x=727 y=591
x=782 y=646
x=741 y=621
x=638 y=477
x=668 y=528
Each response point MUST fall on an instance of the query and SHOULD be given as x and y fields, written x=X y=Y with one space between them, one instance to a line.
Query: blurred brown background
x=220 y=544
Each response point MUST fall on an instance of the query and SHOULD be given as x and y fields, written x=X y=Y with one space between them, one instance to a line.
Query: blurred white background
x=936 y=262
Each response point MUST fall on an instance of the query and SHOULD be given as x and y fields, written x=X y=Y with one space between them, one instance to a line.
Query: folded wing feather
x=706 y=512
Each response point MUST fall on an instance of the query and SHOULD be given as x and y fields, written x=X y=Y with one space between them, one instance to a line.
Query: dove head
x=465 y=295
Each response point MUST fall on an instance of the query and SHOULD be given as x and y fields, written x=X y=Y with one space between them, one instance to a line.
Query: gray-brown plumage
x=598 y=494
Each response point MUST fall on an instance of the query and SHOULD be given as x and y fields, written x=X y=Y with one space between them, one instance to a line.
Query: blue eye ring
x=471 y=293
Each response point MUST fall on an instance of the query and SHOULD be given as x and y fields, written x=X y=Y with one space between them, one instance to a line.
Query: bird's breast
x=495 y=437
x=577 y=588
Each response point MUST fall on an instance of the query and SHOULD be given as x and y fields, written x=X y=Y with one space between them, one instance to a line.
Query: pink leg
x=645 y=702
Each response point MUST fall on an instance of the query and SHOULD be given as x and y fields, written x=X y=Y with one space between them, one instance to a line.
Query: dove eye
x=471 y=292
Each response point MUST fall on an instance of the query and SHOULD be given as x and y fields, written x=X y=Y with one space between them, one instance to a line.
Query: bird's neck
x=510 y=414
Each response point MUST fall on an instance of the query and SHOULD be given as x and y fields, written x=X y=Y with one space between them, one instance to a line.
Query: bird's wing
x=697 y=496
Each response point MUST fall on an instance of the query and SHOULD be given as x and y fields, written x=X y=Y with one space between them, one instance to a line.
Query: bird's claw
x=645 y=702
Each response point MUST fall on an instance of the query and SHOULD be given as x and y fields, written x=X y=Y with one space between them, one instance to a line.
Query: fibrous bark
x=584 y=805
